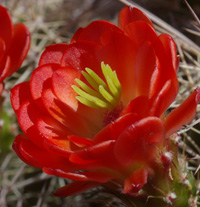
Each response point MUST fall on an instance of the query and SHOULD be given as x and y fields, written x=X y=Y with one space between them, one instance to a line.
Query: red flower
x=14 y=45
x=107 y=122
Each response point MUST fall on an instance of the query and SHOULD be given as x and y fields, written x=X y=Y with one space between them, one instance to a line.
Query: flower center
x=111 y=115
x=102 y=94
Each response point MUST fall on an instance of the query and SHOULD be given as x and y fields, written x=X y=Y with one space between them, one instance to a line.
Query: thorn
x=197 y=170
x=193 y=13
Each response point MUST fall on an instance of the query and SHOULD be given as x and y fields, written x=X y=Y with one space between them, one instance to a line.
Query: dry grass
x=54 y=21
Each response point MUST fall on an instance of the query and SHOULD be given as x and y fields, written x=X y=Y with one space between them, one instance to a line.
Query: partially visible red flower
x=14 y=44
x=93 y=122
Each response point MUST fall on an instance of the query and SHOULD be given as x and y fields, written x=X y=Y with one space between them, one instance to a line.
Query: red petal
x=140 y=32
x=145 y=69
x=41 y=158
x=135 y=181
x=75 y=188
x=113 y=130
x=6 y=26
x=170 y=49
x=164 y=83
x=135 y=142
x=94 y=31
x=65 y=115
x=81 y=55
x=128 y=15
x=27 y=116
x=19 y=47
x=53 y=146
x=16 y=147
x=87 y=176
x=2 y=48
x=164 y=71
x=139 y=106
x=163 y=99
x=41 y=80
x=97 y=154
x=19 y=94
x=80 y=141
x=53 y=54
x=62 y=82
x=183 y=114
x=55 y=136
x=5 y=65
x=37 y=157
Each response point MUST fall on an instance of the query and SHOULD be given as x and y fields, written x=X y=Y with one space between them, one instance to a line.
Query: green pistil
x=102 y=94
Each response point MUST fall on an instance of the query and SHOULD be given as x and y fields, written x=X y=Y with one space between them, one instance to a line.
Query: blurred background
x=54 y=21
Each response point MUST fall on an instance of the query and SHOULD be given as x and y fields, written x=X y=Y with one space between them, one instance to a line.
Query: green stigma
x=102 y=94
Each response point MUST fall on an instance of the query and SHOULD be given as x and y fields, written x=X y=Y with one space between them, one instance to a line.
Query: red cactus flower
x=14 y=45
x=93 y=110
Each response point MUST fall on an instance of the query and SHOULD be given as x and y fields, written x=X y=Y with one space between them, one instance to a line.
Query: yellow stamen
x=96 y=77
x=105 y=94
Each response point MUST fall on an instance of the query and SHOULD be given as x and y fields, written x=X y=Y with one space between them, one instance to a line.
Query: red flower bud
x=14 y=44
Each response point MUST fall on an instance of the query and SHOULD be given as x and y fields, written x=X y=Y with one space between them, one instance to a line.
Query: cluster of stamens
x=102 y=94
